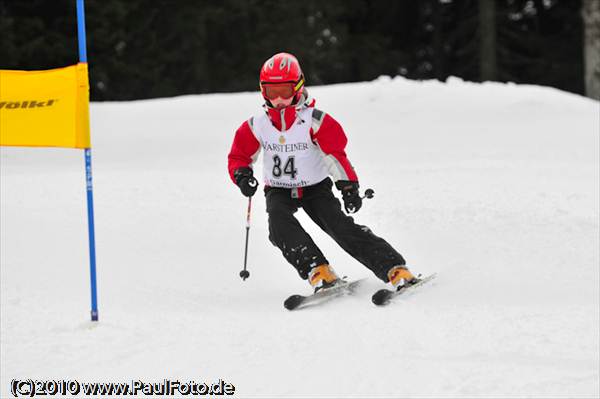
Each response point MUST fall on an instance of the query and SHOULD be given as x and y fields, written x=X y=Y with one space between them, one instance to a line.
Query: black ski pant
x=318 y=201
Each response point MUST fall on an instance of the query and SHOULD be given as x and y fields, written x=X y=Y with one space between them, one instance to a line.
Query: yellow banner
x=45 y=108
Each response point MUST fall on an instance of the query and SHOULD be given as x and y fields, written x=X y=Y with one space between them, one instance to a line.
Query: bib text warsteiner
x=285 y=147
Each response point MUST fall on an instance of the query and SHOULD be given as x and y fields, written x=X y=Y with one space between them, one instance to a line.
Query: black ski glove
x=350 y=195
x=245 y=181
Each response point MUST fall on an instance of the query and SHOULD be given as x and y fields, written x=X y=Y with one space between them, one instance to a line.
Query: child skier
x=302 y=147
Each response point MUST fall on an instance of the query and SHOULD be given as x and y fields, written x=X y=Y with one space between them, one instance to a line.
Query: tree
x=487 y=39
x=591 y=20
x=144 y=49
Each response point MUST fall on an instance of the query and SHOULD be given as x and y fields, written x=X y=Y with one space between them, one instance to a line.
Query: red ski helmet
x=281 y=76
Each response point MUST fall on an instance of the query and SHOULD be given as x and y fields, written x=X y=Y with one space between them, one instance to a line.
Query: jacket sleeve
x=244 y=150
x=329 y=135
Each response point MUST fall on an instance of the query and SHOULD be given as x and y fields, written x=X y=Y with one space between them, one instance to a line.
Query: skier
x=302 y=147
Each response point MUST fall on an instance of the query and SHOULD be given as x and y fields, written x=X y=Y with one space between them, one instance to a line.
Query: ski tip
x=293 y=302
x=381 y=297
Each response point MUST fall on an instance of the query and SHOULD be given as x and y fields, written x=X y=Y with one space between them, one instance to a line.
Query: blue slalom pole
x=81 y=31
x=88 y=171
x=91 y=235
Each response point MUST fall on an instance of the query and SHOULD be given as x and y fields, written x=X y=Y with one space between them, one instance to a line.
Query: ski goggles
x=283 y=90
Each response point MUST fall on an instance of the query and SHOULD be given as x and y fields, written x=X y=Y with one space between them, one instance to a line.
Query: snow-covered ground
x=493 y=186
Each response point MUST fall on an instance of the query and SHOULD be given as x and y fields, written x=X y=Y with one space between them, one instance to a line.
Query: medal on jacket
x=281 y=140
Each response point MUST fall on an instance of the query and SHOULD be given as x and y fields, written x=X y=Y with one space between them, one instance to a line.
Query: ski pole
x=244 y=274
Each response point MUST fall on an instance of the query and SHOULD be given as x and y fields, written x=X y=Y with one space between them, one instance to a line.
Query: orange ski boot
x=322 y=276
x=400 y=276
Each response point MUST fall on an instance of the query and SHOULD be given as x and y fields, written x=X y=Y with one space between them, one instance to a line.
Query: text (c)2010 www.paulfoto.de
x=32 y=388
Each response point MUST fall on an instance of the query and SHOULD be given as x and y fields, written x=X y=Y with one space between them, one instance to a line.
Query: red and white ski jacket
x=282 y=132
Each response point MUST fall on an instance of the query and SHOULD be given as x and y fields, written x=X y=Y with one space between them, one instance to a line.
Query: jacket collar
x=284 y=118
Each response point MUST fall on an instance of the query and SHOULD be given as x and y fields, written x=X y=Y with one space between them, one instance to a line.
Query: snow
x=493 y=186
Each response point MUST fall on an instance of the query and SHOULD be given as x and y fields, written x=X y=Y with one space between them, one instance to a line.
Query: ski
x=385 y=296
x=301 y=301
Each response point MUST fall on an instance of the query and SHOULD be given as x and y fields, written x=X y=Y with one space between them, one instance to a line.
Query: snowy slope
x=493 y=186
